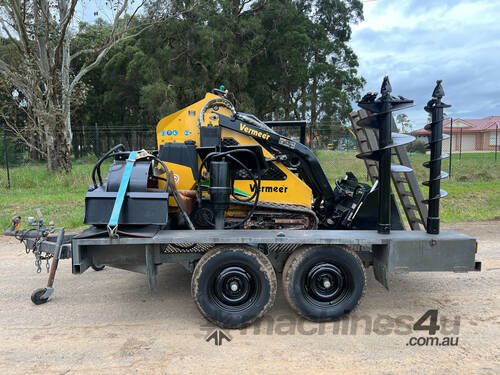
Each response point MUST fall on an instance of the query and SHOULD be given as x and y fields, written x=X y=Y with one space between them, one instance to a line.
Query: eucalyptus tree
x=42 y=32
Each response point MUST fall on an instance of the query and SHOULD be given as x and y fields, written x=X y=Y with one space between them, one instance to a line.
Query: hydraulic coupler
x=435 y=108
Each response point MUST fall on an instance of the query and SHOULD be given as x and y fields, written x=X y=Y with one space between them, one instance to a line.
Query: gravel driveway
x=109 y=322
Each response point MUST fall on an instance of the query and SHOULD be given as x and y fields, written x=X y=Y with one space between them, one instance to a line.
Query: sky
x=416 y=42
x=90 y=10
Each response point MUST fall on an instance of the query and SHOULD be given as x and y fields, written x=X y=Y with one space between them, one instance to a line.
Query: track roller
x=323 y=283
x=233 y=285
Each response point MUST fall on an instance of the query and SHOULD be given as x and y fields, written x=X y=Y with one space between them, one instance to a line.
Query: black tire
x=97 y=268
x=36 y=296
x=323 y=283
x=241 y=267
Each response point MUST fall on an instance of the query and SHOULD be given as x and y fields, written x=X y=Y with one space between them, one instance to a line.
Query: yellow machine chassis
x=183 y=125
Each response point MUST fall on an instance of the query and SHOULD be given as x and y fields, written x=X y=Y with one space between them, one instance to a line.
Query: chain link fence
x=336 y=150
x=334 y=146
x=467 y=136
x=466 y=141
x=96 y=139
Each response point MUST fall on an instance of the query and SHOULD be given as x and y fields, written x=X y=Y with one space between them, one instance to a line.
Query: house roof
x=467 y=125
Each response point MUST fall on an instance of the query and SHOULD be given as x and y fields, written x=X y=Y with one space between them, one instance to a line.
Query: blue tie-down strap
x=120 y=197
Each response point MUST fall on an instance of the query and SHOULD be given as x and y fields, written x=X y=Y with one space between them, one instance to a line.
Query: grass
x=474 y=188
x=60 y=197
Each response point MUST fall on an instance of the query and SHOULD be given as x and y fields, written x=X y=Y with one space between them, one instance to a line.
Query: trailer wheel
x=323 y=283
x=36 y=296
x=233 y=285
x=97 y=268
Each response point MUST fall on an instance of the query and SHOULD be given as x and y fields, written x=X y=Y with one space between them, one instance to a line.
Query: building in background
x=474 y=134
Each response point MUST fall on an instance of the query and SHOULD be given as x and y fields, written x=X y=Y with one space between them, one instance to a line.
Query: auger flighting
x=381 y=119
x=435 y=108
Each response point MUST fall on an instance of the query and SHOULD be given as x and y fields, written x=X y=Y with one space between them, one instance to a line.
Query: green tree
x=405 y=124
x=280 y=59
x=42 y=33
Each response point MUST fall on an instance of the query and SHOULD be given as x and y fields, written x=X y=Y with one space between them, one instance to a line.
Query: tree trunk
x=58 y=149
x=66 y=91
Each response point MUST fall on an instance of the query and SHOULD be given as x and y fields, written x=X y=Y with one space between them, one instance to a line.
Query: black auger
x=381 y=118
x=435 y=108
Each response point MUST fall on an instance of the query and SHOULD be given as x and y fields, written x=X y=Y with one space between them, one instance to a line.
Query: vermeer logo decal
x=254 y=132
x=270 y=189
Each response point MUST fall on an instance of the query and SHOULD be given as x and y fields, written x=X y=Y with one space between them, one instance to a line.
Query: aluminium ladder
x=405 y=183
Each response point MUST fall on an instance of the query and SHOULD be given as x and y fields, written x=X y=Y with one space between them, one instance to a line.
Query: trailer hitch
x=45 y=246
x=42 y=295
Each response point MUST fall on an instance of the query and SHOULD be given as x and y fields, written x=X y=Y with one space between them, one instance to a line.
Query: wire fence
x=464 y=139
x=335 y=149
x=98 y=139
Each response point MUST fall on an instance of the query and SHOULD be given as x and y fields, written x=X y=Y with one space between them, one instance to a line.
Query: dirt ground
x=109 y=322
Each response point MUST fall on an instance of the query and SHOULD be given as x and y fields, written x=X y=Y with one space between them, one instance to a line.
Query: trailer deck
x=399 y=251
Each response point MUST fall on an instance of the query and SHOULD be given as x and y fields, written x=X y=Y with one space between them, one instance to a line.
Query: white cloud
x=416 y=42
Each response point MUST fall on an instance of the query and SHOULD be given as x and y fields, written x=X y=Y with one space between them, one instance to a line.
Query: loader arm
x=307 y=163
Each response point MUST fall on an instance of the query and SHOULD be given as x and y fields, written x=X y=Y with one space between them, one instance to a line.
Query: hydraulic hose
x=241 y=116
x=257 y=180
x=223 y=101
x=174 y=193
x=97 y=166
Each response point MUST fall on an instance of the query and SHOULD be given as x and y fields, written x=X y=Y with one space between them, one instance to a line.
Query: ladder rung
x=411 y=207
x=410 y=215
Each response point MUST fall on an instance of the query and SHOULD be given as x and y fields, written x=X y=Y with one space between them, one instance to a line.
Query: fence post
x=97 y=153
x=496 y=142
x=460 y=151
x=451 y=144
x=6 y=153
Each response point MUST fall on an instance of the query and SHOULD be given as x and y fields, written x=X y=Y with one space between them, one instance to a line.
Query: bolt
x=234 y=286
x=327 y=284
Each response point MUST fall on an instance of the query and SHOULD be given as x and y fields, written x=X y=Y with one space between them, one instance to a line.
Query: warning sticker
x=287 y=142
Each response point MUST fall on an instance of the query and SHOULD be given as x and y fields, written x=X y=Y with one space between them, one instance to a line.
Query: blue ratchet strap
x=120 y=197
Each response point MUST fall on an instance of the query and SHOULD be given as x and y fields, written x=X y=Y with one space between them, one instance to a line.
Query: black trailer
x=246 y=263
x=234 y=270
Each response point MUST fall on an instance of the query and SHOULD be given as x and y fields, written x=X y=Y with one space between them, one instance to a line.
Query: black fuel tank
x=140 y=207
